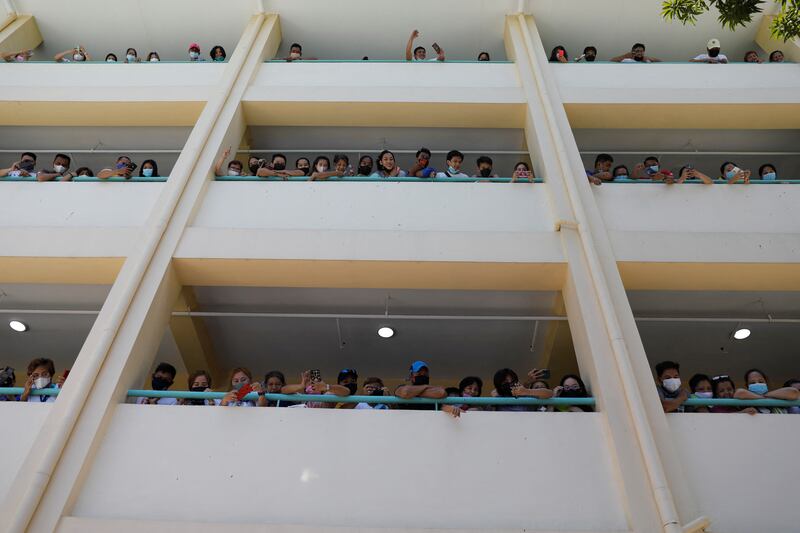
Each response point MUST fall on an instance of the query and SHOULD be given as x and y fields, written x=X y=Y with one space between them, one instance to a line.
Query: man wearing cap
x=712 y=55
x=419 y=378
x=194 y=52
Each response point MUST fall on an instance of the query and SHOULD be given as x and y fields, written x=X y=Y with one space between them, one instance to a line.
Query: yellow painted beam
x=36 y=113
x=684 y=116
x=20 y=33
x=790 y=49
x=385 y=114
x=192 y=338
x=68 y=270
x=710 y=276
x=371 y=274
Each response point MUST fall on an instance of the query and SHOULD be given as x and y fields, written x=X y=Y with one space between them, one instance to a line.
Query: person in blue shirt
x=40 y=376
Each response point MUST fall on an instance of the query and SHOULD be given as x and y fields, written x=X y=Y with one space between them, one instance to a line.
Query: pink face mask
x=467 y=394
x=309 y=389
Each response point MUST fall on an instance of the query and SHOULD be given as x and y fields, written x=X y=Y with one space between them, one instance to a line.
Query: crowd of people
x=79 y=54
x=61 y=170
x=712 y=54
x=383 y=166
x=674 y=394
x=41 y=374
x=650 y=169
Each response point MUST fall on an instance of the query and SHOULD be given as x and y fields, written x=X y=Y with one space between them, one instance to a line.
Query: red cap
x=194 y=45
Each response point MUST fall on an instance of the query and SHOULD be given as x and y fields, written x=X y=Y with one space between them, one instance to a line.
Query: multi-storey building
x=111 y=278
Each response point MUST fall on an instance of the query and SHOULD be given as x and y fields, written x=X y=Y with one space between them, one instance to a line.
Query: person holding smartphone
x=123 y=168
x=242 y=384
x=22 y=168
x=507 y=385
x=419 y=53
x=522 y=172
x=311 y=383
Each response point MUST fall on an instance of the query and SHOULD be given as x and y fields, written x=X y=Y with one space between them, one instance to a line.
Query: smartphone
x=65 y=375
x=544 y=373
x=244 y=391
x=26 y=165
x=316 y=376
x=560 y=53
x=436 y=47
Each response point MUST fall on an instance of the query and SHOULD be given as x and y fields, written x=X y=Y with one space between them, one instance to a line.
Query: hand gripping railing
x=404 y=179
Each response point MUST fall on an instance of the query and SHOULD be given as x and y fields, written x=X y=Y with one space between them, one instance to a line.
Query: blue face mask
x=730 y=174
x=770 y=176
x=653 y=168
x=147 y=172
x=758 y=388
x=220 y=58
x=621 y=177
x=239 y=385
x=452 y=170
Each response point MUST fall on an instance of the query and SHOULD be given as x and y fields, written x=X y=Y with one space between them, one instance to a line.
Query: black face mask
x=572 y=393
x=377 y=392
x=714 y=52
x=198 y=389
x=352 y=387
x=486 y=172
x=505 y=390
x=590 y=58
x=278 y=166
x=254 y=168
x=160 y=383
x=421 y=380
x=364 y=170
x=305 y=170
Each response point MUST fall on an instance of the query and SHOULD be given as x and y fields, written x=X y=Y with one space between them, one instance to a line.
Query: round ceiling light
x=385 y=332
x=741 y=334
x=16 y=325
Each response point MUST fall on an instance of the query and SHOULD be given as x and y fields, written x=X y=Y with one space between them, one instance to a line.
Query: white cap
x=713 y=43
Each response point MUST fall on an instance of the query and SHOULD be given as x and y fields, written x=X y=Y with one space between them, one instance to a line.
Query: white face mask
x=131 y=58
x=704 y=394
x=60 y=169
x=77 y=57
x=109 y=60
x=154 y=60
x=321 y=168
x=20 y=59
x=233 y=173
x=194 y=55
x=41 y=383
x=672 y=384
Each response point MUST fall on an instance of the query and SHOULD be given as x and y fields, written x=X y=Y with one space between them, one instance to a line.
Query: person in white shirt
x=40 y=376
x=60 y=171
x=242 y=378
x=712 y=54
x=76 y=54
x=22 y=168
x=454 y=160
x=20 y=56
x=420 y=54
x=373 y=387
x=636 y=55
x=162 y=379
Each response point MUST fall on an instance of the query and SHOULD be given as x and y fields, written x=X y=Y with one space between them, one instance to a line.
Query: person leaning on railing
x=322 y=169
x=419 y=386
x=60 y=171
x=365 y=165
x=700 y=387
x=602 y=169
x=724 y=389
x=507 y=385
x=387 y=166
x=470 y=387
x=571 y=386
x=241 y=380
x=311 y=382
x=691 y=173
x=123 y=168
x=162 y=379
x=758 y=388
x=794 y=383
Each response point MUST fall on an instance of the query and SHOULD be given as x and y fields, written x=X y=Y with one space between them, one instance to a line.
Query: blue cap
x=416 y=366
x=428 y=172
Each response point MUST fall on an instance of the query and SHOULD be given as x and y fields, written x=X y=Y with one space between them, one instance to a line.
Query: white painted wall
x=586 y=83
x=694 y=222
x=109 y=82
x=22 y=423
x=367 y=81
x=389 y=221
x=743 y=469
x=355 y=468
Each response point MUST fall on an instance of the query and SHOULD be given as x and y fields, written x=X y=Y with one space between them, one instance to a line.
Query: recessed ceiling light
x=741 y=334
x=16 y=325
x=385 y=332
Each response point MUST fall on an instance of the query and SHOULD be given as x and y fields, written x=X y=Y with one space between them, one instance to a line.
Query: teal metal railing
x=753 y=181
x=135 y=179
x=377 y=180
x=459 y=61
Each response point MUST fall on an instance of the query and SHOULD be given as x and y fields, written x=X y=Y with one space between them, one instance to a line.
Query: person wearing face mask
x=40 y=376
x=241 y=379
x=76 y=54
x=470 y=387
x=218 y=54
x=122 y=169
x=453 y=160
x=348 y=378
x=311 y=382
x=636 y=55
x=296 y=54
x=767 y=172
x=149 y=169
x=277 y=168
x=20 y=56
x=373 y=387
x=602 y=169
x=507 y=385
x=731 y=173
x=111 y=58
x=589 y=55
x=621 y=172
x=700 y=387
x=365 y=166
x=61 y=163
x=712 y=54
x=794 y=383
x=199 y=381
x=194 y=52
x=419 y=387
x=322 y=169
x=153 y=57
x=758 y=389
x=669 y=387
x=132 y=56
x=274 y=381
x=776 y=57
x=24 y=168
x=484 y=56
x=691 y=173
x=650 y=169
x=485 y=166
x=303 y=165
x=161 y=380
x=571 y=386
x=84 y=171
